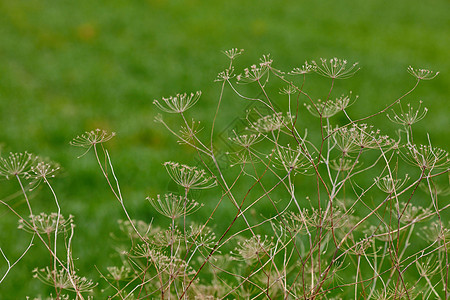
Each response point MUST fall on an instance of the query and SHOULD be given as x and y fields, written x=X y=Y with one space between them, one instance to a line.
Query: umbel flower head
x=91 y=138
x=46 y=224
x=256 y=72
x=179 y=103
x=60 y=279
x=331 y=107
x=272 y=123
x=426 y=157
x=422 y=74
x=42 y=172
x=232 y=53
x=189 y=177
x=305 y=69
x=291 y=159
x=409 y=117
x=390 y=185
x=174 y=206
x=335 y=68
x=255 y=247
x=16 y=164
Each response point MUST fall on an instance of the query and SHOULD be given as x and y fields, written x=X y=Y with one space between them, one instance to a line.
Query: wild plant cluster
x=339 y=215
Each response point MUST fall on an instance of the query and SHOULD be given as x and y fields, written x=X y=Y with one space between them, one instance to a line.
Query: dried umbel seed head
x=343 y=164
x=410 y=213
x=422 y=74
x=289 y=90
x=189 y=131
x=358 y=137
x=46 y=224
x=179 y=103
x=305 y=69
x=436 y=232
x=331 y=107
x=254 y=248
x=426 y=157
x=189 y=177
x=174 y=206
x=272 y=123
x=256 y=72
x=435 y=188
x=408 y=117
x=335 y=68
x=43 y=171
x=17 y=164
x=119 y=274
x=91 y=138
x=389 y=185
x=291 y=160
x=61 y=279
x=225 y=75
x=232 y=53
x=201 y=236
x=142 y=227
x=245 y=140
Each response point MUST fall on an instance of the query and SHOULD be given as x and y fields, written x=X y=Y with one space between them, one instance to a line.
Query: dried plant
x=334 y=213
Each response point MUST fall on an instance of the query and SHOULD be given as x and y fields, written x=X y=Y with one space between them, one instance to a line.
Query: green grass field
x=71 y=66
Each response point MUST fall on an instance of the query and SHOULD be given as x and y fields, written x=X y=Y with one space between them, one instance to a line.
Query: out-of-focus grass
x=71 y=66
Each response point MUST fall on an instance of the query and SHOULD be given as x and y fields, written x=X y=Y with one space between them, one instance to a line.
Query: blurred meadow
x=71 y=66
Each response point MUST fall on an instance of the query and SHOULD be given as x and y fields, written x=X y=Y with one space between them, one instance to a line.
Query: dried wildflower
x=46 y=224
x=382 y=233
x=393 y=293
x=389 y=185
x=359 y=137
x=225 y=75
x=409 y=117
x=294 y=222
x=256 y=73
x=335 y=68
x=435 y=233
x=59 y=297
x=142 y=227
x=410 y=213
x=254 y=248
x=305 y=69
x=42 y=172
x=291 y=160
x=166 y=238
x=60 y=279
x=147 y=251
x=179 y=103
x=246 y=141
x=232 y=53
x=422 y=74
x=239 y=158
x=202 y=236
x=119 y=274
x=426 y=157
x=429 y=267
x=342 y=164
x=289 y=90
x=16 y=164
x=271 y=123
x=174 y=206
x=189 y=177
x=331 y=107
x=175 y=268
x=91 y=138
x=436 y=188
x=360 y=247
x=188 y=132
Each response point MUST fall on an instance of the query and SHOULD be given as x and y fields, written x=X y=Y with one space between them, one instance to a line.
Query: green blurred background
x=71 y=66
